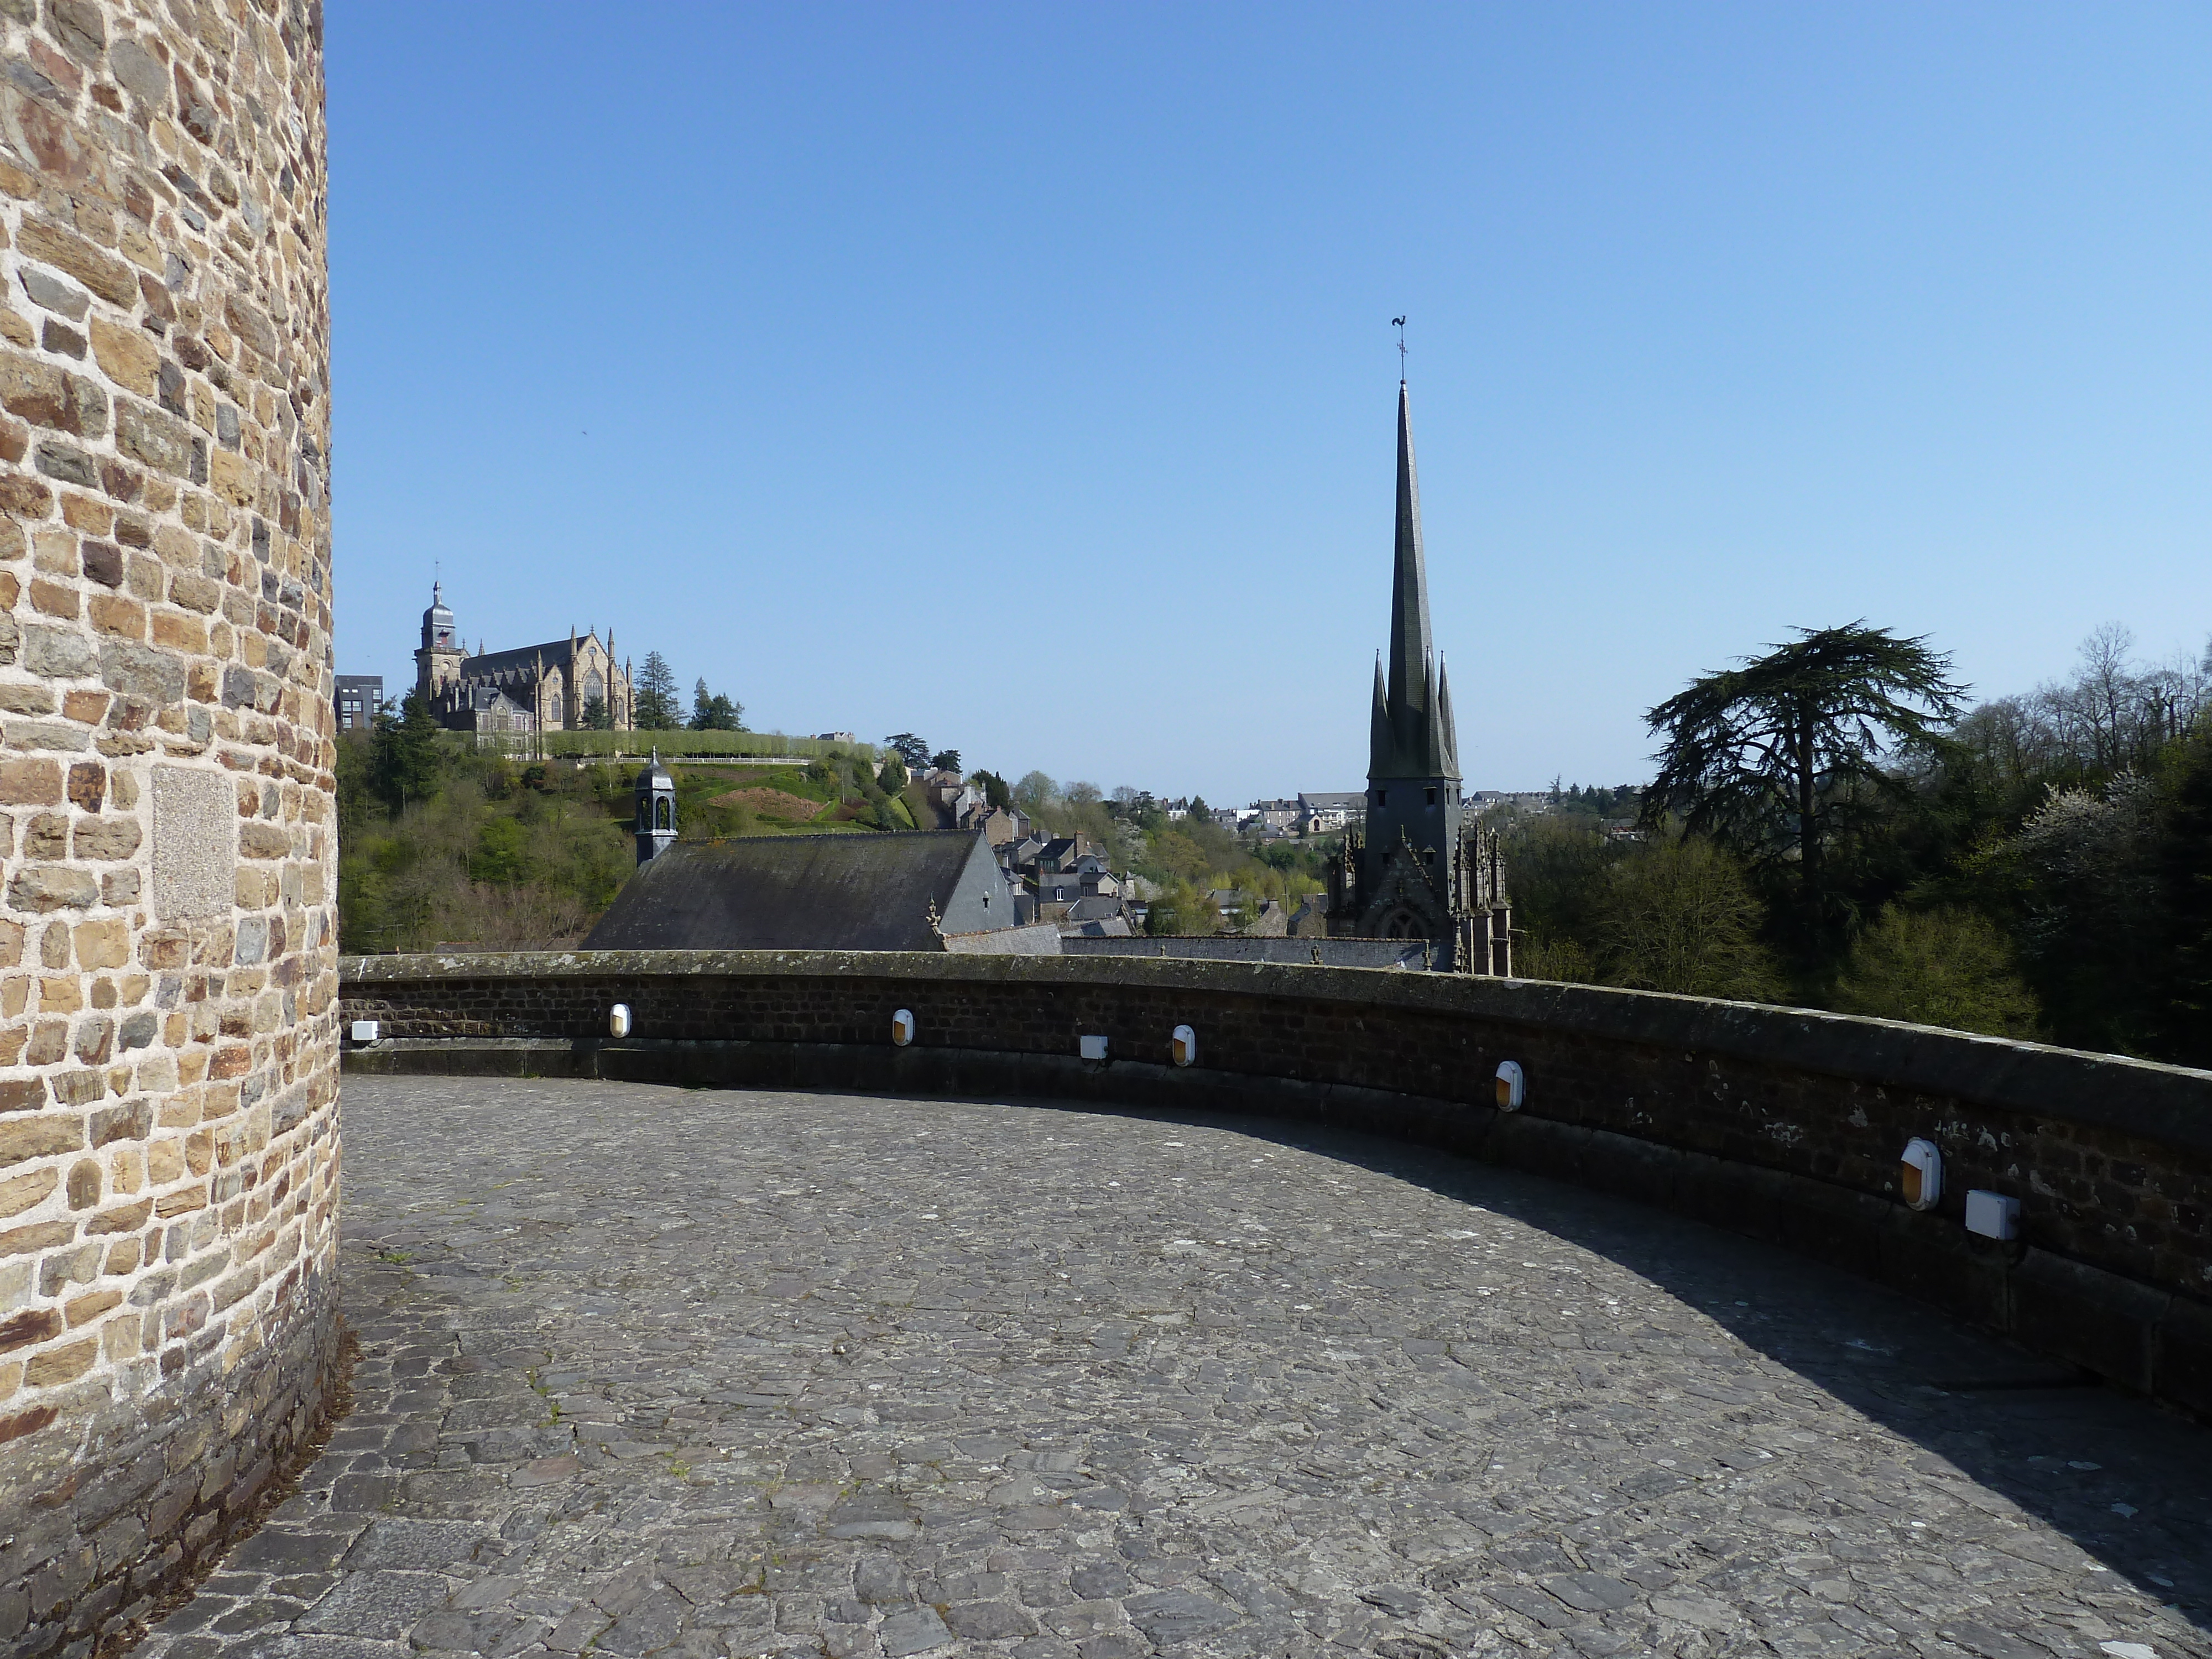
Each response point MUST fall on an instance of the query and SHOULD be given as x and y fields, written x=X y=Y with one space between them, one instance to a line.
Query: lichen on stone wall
x=168 y=1173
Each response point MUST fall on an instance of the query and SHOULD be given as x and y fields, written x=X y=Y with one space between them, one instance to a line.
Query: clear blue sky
x=1022 y=377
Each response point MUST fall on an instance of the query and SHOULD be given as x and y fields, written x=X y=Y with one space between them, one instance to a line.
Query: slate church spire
x=1411 y=728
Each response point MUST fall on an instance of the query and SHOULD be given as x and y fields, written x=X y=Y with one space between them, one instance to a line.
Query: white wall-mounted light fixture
x=1920 y=1173
x=1512 y=1087
x=903 y=1028
x=1182 y=1046
x=364 y=1030
x=1091 y=1047
x=619 y=1020
x=1992 y=1215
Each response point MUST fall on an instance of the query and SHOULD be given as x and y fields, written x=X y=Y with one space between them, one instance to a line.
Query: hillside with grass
x=444 y=847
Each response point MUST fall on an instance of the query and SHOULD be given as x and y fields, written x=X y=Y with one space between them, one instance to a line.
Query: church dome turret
x=438 y=622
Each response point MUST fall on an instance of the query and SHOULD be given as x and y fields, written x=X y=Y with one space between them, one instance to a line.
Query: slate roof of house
x=846 y=892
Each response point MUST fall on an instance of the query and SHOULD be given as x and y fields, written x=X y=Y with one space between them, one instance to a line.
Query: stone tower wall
x=168 y=1121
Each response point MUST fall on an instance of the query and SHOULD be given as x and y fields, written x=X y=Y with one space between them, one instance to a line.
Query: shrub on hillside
x=1949 y=968
x=1680 y=916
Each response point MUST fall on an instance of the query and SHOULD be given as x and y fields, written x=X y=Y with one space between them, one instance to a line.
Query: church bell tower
x=438 y=662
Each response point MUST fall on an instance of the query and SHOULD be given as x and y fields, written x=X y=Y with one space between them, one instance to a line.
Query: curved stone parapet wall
x=168 y=1126
x=1782 y=1124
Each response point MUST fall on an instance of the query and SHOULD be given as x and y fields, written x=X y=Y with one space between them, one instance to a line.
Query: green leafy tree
x=1035 y=792
x=995 y=790
x=597 y=715
x=1680 y=916
x=1183 y=908
x=893 y=776
x=1772 y=757
x=713 y=712
x=501 y=854
x=406 y=760
x=1946 y=966
x=945 y=760
x=2080 y=884
x=2184 y=857
x=1559 y=867
x=655 y=703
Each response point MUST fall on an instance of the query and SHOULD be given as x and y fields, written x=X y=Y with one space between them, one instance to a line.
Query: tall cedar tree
x=909 y=748
x=1767 y=756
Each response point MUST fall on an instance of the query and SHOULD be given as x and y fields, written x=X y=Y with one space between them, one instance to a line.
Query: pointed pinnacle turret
x=1381 y=740
x=1447 y=729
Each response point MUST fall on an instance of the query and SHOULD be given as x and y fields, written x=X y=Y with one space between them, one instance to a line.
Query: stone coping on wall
x=2141 y=1099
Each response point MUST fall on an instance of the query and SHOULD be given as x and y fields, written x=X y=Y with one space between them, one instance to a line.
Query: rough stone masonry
x=712 y=1374
x=168 y=1144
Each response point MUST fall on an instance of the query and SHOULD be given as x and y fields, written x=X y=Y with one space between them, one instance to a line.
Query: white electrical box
x=1091 y=1047
x=619 y=1020
x=1182 y=1046
x=364 y=1030
x=903 y=1028
x=1992 y=1215
x=1512 y=1087
x=1920 y=1173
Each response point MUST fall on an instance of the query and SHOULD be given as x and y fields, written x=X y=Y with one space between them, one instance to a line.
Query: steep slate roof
x=851 y=892
x=522 y=659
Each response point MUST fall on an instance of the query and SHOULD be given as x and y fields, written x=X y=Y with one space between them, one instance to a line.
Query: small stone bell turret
x=656 y=811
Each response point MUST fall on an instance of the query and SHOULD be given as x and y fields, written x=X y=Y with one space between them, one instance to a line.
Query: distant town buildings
x=1326 y=812
x=1535 y=803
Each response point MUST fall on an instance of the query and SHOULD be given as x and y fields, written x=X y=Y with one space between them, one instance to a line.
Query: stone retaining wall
x=1780 y=1123
x=168 y=1079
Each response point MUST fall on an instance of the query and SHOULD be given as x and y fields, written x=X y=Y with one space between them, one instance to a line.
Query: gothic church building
x=1423 y=867
x=533 y=687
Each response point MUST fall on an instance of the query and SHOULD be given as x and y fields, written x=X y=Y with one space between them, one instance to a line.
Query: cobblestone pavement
x=650 y=1370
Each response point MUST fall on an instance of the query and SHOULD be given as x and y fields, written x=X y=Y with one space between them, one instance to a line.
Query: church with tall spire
x=1422 y=866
